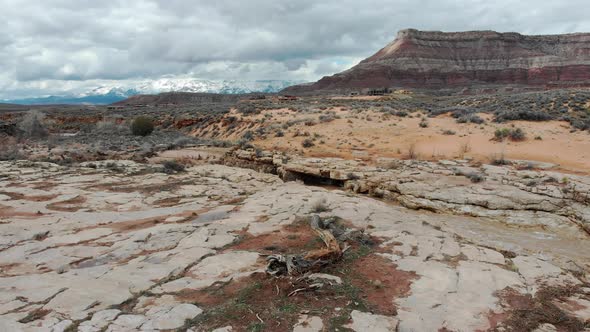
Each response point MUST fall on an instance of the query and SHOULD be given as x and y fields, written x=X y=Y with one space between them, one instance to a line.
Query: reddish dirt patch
x=69 y=205
x=22 y=197
x=16 y=185
x=243 y=303
x=44 y=185
x=234 y=201
x=5 y=269
x=133 y=225
x=8 y=212
x=291 y=239
x=381 y=282
x=115 y=187
x=526 y=313
x=167 y=202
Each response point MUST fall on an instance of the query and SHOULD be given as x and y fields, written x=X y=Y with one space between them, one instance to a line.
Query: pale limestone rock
x=438 y=296
x=224 y=264
x=326 y=277
x=129 y=247
x=166 y=317
x=223 y=329
x=126 y=323
x=546 y=328
x=532 y=268
x=482 y=254
x=308 y=324
x=99 y=320
x=362 y=321
x=577 y=307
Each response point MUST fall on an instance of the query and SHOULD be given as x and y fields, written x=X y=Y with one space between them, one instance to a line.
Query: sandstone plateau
x=434 y=59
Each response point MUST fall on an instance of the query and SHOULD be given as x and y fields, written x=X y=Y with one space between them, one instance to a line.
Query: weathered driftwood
x=313 y=260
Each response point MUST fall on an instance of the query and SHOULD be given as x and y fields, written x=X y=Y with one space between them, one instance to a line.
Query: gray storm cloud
x=78 y=41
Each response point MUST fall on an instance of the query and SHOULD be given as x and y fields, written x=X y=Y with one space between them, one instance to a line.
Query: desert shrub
x=326 y=118
x=142 y=126
x=475 y=177
x=172 y=166
x=499 y=160
x=182 y=142
x=279 y=133
x=307 y=143
x=464 y=118
x=412 y=153
x=105 y=126
x=108 y=127
x=580 y=124
x=423 y=123
x=320 y=206
x=248 y=136
x=527 y=115
x=9 y=149
x=401 y=114
x=501 y=134
x=32 y=125
x=448 y=132
x=517 y=134
x=247 y=108
x=352 y=176
x=112 y=166
x=473 y=118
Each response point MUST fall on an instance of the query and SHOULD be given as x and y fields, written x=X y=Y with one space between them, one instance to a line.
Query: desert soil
x=371 y=135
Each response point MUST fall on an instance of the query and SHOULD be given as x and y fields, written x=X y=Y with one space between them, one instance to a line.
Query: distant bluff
x=434 y=59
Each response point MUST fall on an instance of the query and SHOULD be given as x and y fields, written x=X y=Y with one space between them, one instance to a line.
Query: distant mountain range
x=111 y=94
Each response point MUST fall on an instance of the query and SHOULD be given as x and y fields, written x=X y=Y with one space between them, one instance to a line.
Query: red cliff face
x=431 y=59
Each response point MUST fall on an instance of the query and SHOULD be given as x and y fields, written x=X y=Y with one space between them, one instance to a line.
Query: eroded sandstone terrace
x=119 y=246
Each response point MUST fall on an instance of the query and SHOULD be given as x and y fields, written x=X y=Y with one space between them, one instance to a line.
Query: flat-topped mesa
x=435 y=59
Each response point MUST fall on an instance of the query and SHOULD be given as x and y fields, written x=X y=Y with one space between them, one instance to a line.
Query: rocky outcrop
x=434 y=59
x=518 y=197
x=133 y=249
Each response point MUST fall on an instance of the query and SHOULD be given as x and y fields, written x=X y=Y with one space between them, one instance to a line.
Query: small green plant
x=515 y=134
x=501 y=134
x=142 y=126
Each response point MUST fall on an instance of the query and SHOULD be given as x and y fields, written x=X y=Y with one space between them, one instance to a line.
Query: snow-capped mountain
x=114 y=92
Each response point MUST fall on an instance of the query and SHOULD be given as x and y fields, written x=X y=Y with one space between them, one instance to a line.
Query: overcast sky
x=48 y=45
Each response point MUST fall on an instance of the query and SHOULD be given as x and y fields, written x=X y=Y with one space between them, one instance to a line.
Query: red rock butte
x=434 y=59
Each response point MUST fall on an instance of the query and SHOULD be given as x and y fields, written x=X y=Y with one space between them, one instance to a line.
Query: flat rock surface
x=101 y=250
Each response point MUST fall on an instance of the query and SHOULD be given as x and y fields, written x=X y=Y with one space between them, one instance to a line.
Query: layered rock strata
x=434 y=59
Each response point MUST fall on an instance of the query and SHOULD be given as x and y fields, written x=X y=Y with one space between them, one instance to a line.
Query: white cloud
x=78 y=42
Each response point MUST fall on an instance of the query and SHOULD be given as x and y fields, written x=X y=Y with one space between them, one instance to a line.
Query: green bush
x=517 y=134
x=501 y=134
x=142 y=126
